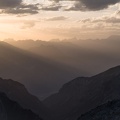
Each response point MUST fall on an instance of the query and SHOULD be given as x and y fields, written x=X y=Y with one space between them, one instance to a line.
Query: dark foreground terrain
x=83 y=94
x=11 y=110
x=108 y=111
x=80 y=96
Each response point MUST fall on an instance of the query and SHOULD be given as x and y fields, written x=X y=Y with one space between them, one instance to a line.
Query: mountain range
x=77 y=53
x=35 y=63
x=17 y=92
x=43 y=67
x=83 y=94
x=32 y=70
x=79 y=99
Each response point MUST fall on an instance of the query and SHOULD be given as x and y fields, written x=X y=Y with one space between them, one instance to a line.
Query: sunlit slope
x=41 y=76
x=90 y=56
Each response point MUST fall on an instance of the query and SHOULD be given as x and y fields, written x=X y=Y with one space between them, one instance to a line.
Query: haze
x=44 y=66
x=45 y=44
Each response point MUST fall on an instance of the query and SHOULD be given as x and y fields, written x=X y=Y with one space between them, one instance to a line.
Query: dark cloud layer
x=9 y=3
x=97 y=4
x=17 y=7
x=93 y=5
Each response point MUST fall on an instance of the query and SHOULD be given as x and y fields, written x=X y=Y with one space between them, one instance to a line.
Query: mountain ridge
x=32 y=70
x=78 y=97
x=17 y=92
x=107 y=111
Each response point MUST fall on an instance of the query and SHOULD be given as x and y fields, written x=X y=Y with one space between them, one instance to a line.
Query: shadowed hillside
x=17 y=92
x=65 y=60
x=32 y=70
x=108 y=111
x=11 y=110
x=84 y=93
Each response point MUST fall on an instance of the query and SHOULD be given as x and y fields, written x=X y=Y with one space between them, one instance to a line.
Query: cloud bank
x=81 y=5
x=93 y=4
x=57 y=18
x=17 y=7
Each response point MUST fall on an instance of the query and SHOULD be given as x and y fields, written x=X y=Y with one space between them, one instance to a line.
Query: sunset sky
x=55 y=19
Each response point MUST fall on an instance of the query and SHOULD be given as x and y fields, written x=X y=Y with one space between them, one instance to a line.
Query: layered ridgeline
x=57 y=61
x=17 y=92
x=83 y=94
x=11 y=110
x=77 y=53
x=33 y=71
x=107 y=111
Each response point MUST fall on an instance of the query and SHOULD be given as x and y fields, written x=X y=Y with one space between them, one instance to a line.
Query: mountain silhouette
x=17 y=92
x=32 y=70
x=83 y=94
x=77 y=53
x=11 y=110
x=107 y=111
x=67 y=59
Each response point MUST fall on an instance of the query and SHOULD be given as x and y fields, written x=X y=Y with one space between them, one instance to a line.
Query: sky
x=59 y=19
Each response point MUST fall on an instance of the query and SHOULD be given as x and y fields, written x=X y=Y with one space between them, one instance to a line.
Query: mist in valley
x=44 y=66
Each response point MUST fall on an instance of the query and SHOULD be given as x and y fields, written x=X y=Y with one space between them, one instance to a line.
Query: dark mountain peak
x=85 y=93
x=114 y=71
x=12 y=87
x=12 y=82
x=78 y=79
x=74 y=84
x=80 y=82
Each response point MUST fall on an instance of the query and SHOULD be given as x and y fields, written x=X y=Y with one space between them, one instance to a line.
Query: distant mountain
x=108 y=111
x=83 y=94
x=33 y=71
x=17 y=92
x=61 y=61
x=11 y=110
x=79 y=54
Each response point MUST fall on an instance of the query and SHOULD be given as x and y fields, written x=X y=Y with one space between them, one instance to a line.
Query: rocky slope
x=108 y=111
x=84 y=93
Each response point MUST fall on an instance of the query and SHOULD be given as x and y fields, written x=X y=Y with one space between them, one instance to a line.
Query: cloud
x=9 y=3
x=102 y=19
x=28 y=24
x=58 y=18
x=95 y=4
x=113 y=19
x=118 y=13
x=52 y=7
x=17 y=7
x=85 y=5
